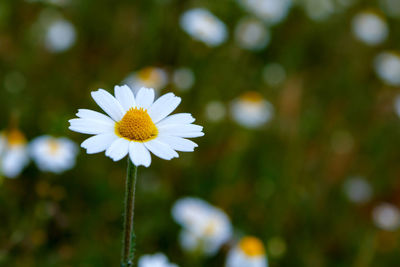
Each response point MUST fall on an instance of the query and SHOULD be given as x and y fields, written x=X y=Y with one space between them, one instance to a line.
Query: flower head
x=205 y=228
x=387 y=66
x=156 y=260
x=136 y=125
x=386 y=216
x=53 y=154
x=251 y=110
x=248 y=252
x=149 y=77
x=203 y=26
x=271 y=11
x=370 y=28
x=13 y=153
x=60 y=36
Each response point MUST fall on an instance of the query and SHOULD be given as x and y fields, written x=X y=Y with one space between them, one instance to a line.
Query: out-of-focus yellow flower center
x=136 y=125
x=251 y=96
x=210 y=229
x=15 y=137
x=252 y=246
x=147 y=74
x=54 y=146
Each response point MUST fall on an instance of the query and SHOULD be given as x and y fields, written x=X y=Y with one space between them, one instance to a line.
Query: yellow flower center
x=147 y=74
x=251 y=96
x=54 y=146
x=136 y=125
x=252 y=246
x=15 y=137
x=210 y=229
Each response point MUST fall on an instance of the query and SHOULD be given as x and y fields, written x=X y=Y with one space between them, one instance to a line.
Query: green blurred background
x=333 y=119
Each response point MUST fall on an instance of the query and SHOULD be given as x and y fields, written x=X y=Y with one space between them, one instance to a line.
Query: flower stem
x=129 y=235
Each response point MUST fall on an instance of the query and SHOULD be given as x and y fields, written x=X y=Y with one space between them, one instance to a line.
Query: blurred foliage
x=334 y=118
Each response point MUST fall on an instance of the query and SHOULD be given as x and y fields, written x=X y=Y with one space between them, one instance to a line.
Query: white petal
x=188 y=134
x=118 y=149
x=109 y=104
x=178 y=129
x=139 y=154
x=93 y=115
x=98 y=143
x=125 y=97
x=178 y=143
x=160 y=149
x=90 y=126
x=180 y=118
x=145 y=97
x=163 y=107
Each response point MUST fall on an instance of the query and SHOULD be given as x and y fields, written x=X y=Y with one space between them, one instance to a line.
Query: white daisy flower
x=136 y=125
x=386 y=217
x=387 y=66
x=270 y=11
x=205 y=228
x=251 y=110
x=370 y=28
x=13 y=153
x=149 y=77
x=60 y=36
x=183 y=78
x=251 y=34
x=203 y=26
x=248 y=252
x=156 y=260
x=358 y=190
x=53 y=154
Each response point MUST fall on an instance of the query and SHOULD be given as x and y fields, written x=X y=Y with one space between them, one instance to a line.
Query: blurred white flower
x=149 y=77
x=370 y=28
x=251 y=34
x=60 y=36
x=319 y=9
x=205 y=228
x=274 y=74
x=215 y=111
x=183 y=78
x=386 y=217
x=358 y=190
x=391 y=7
x=155 y=260
x=270 y=11
x=136 y=126
x=251 y=110
x=13 y=153
x=249 y=252
x=203 y=26
x=387 y=66
x=397 y=105
x=53 y=154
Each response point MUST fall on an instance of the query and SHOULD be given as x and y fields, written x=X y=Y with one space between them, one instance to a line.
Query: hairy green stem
x=129 y=235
